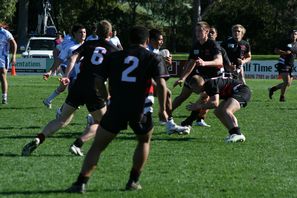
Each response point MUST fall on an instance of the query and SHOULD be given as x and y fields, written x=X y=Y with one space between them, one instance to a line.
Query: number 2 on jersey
x=97 y=56
x=125 y=74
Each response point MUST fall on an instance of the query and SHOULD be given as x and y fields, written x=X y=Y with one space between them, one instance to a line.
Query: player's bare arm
x=212 y=103
x=189 y=68
x=216 y=62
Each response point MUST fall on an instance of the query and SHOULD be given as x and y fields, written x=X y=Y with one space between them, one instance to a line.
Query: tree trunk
x=22 y=28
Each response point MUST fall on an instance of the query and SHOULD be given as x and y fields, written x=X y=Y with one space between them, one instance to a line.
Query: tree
x=7 y=10
x=22 y=27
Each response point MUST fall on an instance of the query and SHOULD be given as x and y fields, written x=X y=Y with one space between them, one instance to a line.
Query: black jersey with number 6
x=93 y=53
x=129 y=72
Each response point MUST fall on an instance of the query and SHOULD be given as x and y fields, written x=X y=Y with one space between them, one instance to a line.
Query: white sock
x=4 y=96
x=52 y=96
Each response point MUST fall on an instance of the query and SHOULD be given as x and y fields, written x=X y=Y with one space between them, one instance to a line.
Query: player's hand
x=200 y=62
x=178 y=82
x=168 y=60
x=64 y=80
x=46 y=75
x=239 y=61
x=192 y=106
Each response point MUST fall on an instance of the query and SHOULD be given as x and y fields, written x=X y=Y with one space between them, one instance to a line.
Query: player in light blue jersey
x=6 y=42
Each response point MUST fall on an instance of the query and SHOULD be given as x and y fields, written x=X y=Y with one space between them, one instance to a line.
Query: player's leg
x=48 y=101
x=225 y=113
x=143 y=131
x=50 y=129
x=287 y=81
x=140 y=157
x=171 y=126
x=4 y=84
x=89 y=132
x=183 y=96
x=102 y=139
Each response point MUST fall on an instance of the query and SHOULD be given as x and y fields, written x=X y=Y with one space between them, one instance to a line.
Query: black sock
x=134 y=175
x=235 y=130
x=81 y=180
x=273 y=89
x=192 y=116
x=41 y=137
x=78 y=142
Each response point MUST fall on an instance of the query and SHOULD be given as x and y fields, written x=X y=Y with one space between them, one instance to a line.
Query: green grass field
x=198 y=165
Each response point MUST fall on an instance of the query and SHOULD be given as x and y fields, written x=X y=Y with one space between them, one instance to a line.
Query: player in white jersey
x=156 y=41
x=6 y=42
x=67 y=47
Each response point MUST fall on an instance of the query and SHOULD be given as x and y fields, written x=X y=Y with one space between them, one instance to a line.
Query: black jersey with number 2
x=128 y=72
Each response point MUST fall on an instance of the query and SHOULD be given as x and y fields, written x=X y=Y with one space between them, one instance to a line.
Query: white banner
x=264 y=69
x=33 y=64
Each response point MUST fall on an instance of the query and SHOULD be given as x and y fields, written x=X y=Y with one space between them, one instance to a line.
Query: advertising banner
x=32 y=65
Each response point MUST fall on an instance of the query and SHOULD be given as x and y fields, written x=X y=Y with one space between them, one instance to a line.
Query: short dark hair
x=104 y=28
x=138 y=35
x=76 y=27
x=155 y=34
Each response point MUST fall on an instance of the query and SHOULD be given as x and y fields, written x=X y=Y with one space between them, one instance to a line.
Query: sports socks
x=41 y=137
x=4 y=96
x=81 y=179
x=134 y=175
x=78 y=143
x=53 y=95
x=235 y=130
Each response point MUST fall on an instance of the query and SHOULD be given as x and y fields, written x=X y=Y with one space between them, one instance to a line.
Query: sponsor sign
x=256 y=69
x=39 y=65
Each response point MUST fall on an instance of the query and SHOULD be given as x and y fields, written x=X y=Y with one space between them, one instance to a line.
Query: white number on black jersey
x=130 y=59
x=97 y=56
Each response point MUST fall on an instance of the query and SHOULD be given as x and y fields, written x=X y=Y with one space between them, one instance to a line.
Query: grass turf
x=197 y=165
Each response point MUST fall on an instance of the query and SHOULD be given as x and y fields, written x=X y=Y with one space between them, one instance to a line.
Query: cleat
x=235 y=138
x=282 y=99
x=76 y=150
x=76 y=188
x=4 y=101
x=30 y=147
x=90 y=120
x=47 y=103
x=133 y=186
x=270 y=92
x=202 y=123
x=174 y=128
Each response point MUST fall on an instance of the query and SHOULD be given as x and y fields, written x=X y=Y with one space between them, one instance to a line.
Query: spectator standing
x=115 y=40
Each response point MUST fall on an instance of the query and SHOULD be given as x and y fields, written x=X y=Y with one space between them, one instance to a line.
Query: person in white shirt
x=6 y=41
x=115 y=40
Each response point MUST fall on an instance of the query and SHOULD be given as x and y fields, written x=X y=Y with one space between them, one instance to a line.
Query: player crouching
x=233 y=94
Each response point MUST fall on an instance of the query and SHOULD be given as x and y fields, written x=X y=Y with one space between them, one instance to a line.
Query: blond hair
x=238 y=26
x=104 y=29
x=203 y=24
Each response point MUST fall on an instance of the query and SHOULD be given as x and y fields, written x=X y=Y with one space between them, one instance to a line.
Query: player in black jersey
x=128 y=72
x=285 y=65
x=82 y=92
x=234 y=95
x=201 y=114
x=205 y=60
x=238 y=51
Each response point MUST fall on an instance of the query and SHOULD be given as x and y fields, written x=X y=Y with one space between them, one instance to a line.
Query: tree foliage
x=7 y=10
x=266 y=21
